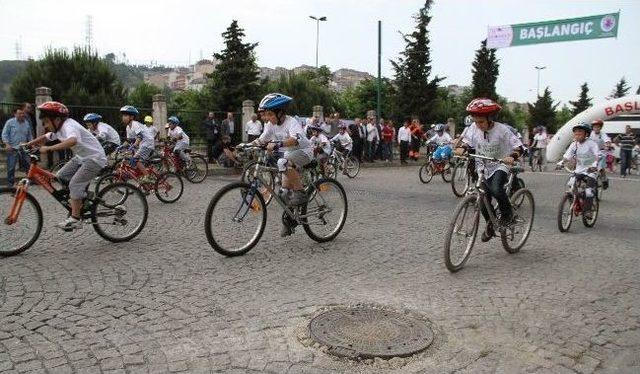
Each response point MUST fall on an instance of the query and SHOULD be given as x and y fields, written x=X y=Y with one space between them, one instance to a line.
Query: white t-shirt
x=133 y=128
x=541 y=140
x=176 y=133
x=290 y=128
x=325 y=127
x=441 y=139
x=404 y=134
x=87 y=146
x=321 y=141
x=107 y=133
x=372 y=132
x=499 y=142
x=344 y=139
x=600 y=139
x=585 y=155
x=254 y=128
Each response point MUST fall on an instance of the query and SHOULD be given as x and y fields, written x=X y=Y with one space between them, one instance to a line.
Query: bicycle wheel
x=352 y=167
x=20 y=235
x=426 y=173
x=330 y=170
x=600 y=188
x=589 y=222
x=267 y=176
x=198 y=170
x=123 y=222
x=515 y=235
x=518 y=184
x=460 y=179
x=169 y=187
x=446 y=173
x=106 y=180
x=235 y=219
x=462 y=233
x=326 y=211
x=565 y=212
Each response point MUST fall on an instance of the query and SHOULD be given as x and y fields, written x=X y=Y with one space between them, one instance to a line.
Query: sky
x=179 y=32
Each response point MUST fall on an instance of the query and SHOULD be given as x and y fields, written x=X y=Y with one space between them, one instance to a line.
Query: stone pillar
x=160 y=113
x=452 y=127
x=318 y=111
x=43 y=94
x=247 y=112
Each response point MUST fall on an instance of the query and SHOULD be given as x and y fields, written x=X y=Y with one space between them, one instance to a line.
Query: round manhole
x=364 y=332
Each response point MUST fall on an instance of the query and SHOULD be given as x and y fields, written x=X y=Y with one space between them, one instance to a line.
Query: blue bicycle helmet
x=129 y=109
x=274 y=101
x=174 y=120
x=584 y=126
x=468 y=120
x=92 y=117
x=439 y=127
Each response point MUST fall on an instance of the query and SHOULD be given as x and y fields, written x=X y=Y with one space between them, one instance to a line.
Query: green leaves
x=485 y=70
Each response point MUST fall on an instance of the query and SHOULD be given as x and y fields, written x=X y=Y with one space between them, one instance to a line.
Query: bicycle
x=513 y=236
x=22 y=223
x=195 y=172
x=573 y=202
x=339 y=160
x=236 y=216
x=269 y=171
x=167 y=186
x=432 y=167
x=463 y=175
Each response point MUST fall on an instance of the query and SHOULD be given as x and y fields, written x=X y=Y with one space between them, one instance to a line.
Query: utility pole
x=379 y=69
x=88 y=32
x=538 y=68
x=318 y=20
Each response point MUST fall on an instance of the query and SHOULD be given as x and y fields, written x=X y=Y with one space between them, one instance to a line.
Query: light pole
x=538 y=68
x=317 y=19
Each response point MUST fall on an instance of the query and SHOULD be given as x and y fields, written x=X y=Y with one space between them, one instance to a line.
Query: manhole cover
x=368 y=333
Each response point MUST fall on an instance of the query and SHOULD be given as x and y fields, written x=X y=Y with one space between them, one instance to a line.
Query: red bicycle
x=432 y=167
x=167 y=186
x=195 y=172
x=113 y=217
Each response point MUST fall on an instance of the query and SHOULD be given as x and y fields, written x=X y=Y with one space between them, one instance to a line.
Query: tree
x=564 y=115
x=543 y=112
x=305 y=91
x=583 y=102
x=142 y=95
x=79 y=78
x=323 y=75
x=485 y=69
x=358 y=100
x=621 y=89
x=236 y=76
x=416 y=92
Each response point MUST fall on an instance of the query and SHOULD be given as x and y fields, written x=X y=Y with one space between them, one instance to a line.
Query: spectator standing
x=16 y=130
x=356 y=136
x=228 y=127
x=387 y=142
x=416 y=138
x=212 y=134
x=626 y=141
x=540 y=140
x=254 y=128
x=372 y=139
x=404 y=139
x=379 y=146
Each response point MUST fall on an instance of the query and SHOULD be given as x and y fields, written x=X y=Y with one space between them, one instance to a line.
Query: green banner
x=564 y=30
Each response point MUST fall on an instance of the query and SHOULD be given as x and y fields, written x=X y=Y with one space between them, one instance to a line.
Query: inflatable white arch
x=604 y=110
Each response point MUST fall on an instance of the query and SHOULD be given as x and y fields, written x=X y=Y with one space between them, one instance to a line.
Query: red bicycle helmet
x=53 y=109
x=483 y=107
x=597 y=122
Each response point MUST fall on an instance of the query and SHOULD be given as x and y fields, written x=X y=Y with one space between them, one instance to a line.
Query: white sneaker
x=70 y=224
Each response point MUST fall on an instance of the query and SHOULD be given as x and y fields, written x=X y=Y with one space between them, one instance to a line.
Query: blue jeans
x=386 y=151
x=13 y=157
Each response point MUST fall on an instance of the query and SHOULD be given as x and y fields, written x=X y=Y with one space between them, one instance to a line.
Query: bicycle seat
x=312 y=165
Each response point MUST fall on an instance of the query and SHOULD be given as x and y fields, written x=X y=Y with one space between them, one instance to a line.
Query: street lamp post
x=317 y=19
x=538 y=68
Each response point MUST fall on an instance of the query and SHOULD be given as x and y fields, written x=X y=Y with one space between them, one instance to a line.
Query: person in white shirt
x=404 y=140
x=88 y=156
x=132 y=126
x=540 y=140
x=585 y=153
x=107 y=135
x=321 y=144
x=254 y=128
x=604 y=144
x=175 y=133
x=283 y=131
x=443 y=140
x=150 y=128
x=496 y=140
x=344 y=139
x=372 y=138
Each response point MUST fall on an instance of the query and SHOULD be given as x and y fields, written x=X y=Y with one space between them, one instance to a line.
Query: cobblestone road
x=166 y=302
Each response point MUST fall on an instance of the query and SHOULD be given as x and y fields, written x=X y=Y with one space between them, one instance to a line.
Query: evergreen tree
x=622 y=89
x=323 y=75
x=142 y=95
x=363 y=97
x=305 y=90
x=416 y=92
x=638 y=91
x=583 y=102
x=543 y=112
x=236 y=76
x=79 y=78
x=485 y=71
